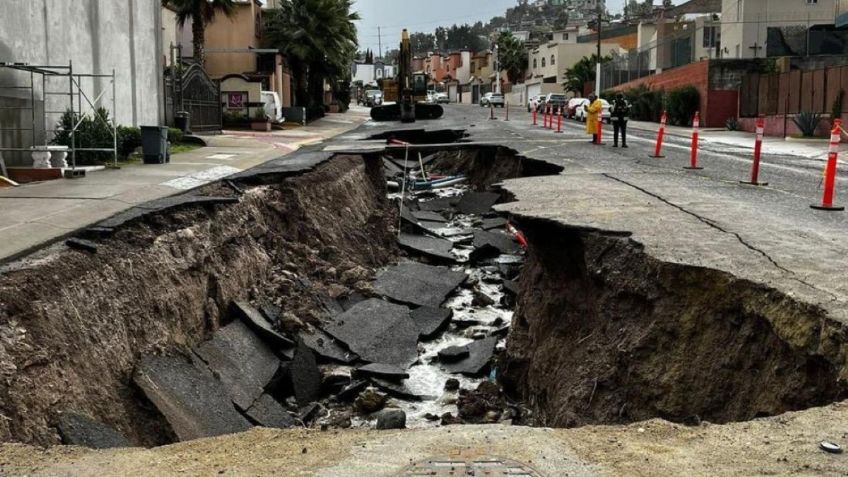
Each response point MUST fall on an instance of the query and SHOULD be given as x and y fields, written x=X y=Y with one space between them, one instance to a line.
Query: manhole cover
x=480 y=467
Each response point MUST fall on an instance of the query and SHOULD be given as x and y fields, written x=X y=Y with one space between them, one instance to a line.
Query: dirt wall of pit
x=73 y=324
x=604 y=333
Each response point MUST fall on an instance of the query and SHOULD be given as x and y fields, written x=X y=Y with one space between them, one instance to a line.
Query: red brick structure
x=717 y=105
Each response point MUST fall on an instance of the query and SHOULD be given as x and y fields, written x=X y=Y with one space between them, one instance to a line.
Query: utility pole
x=598 y=63
x=497 y=71
x=379 y=42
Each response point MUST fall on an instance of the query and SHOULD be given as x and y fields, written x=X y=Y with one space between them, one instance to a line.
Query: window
x=712 y=36
x=812 y=2
x=543 y=62
x=565 y=36
x=535 y=65
x=553 y=60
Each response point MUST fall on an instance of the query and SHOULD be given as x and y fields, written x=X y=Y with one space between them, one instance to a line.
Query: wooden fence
x=793 y=92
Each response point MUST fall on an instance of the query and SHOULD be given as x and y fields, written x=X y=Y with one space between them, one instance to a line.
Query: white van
x=273 y=106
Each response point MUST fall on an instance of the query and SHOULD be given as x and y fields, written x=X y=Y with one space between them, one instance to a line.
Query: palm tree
x=318 y=38
x=512 y=56
x=581 y=72
x=201 y=13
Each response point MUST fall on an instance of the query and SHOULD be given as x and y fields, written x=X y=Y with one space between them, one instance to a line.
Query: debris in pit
x=80 y=430
x=398 y=390
x=81 y=245
x=418 y=284
x=379 y=370
x=494 y=244
x=483 y=405
x=267 y=412
x=391 y=419
x=194 y=403
x=378 y=331
x=481 y=300
x=477 y=203
x=441 y=204
x=432 y=247
x=431 y=321
x=325 y=346
x=429 y=216
x=452 y=354
x=479 y=354
x=352 y=390
x=369 y=401
x=241 y=361
x=351 y=299
x=493 y=223
x=305 y=375
x=511 y=286
x=260 y=325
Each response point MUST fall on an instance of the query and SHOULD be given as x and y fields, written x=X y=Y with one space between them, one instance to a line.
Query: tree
x=318 y=38
x=512 y=56
x=582 y=72
x=390 y=57
x=422 y=43
x=561 y=21
x=201 y=13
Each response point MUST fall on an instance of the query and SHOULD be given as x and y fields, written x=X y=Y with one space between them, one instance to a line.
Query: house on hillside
x=234 y=57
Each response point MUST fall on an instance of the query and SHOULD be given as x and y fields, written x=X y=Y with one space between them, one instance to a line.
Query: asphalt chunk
x=326 y=346
x=80 y=430
x=479 y=355
x=267 y=412
x=477 y=203
x=260 y=325
x=305 y=376
x=418 y=284
x=431 y=321
x=379 y=332
x=379 y=370
x=194 y=403
x=241 y=360
x=432 y=247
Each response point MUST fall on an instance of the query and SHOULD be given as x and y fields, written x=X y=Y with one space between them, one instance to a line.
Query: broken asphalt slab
x=241 y=360
x=379 y=370
x=432 y=247
x=261 y=326
x=441 y=204
x=326 y=346
x=496 y=241
x=305 y=376
x=429 y=216
x=477 y=203
x=479 y=355
x=430 y=321
x=80 y=430
x=267 y=412
x=418 y=284
x=153 y=207
x=193 y=402
x=453 y=354
x=378 y=331
x=493 y=223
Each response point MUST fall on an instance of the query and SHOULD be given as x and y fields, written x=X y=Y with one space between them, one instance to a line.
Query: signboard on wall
x=236 y=100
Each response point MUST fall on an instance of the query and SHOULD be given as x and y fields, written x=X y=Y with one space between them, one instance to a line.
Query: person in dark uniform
x=618 y=117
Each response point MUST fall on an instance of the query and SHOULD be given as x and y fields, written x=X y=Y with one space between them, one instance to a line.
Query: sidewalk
x=811 y=149
x=36 y=214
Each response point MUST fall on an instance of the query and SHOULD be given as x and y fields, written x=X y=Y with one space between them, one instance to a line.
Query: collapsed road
x=644 y=296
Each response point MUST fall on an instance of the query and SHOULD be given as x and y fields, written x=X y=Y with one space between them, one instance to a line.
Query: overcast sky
x=425 y=15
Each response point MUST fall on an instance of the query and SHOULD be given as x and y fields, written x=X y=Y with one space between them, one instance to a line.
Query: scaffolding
x=71 y=91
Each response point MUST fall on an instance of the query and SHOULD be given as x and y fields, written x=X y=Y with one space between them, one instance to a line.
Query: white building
x=745 y=23
x=369 y=74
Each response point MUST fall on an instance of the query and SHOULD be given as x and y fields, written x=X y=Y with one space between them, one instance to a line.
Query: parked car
x=573 y=105
x=580 y=112
x=554 y=100
x=273 y=106
x=492 y=99
x=373 y=97
x=533 y=102
x=442 y=98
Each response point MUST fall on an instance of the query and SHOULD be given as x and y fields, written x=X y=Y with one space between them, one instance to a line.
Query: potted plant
x=260 y=121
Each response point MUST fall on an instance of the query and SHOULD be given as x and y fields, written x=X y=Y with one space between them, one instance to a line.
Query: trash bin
x=182 y=121
x=154 y=144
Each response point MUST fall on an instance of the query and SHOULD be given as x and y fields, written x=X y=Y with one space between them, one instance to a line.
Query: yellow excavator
x=408 y=91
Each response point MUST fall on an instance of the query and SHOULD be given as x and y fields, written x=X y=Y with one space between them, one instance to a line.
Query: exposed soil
x=72 y=325
x=604 y=333
x=488 y=165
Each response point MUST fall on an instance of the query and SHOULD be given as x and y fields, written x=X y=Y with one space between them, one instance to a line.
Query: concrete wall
x=237 y=32
x=97 y=36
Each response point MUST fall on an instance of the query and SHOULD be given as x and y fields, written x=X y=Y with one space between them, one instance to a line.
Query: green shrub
x=129 y=139
x=175 y=136
x=645 y=104
x=608 y=95
x=836 y=108
x=807 y=122
x=91 y=132
x=681 y=105
x=234 y=117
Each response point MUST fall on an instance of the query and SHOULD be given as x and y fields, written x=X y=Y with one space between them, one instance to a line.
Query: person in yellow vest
x=592 y=110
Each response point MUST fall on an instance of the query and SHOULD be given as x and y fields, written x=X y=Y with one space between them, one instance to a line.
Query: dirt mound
x=73 y=324
x=604 y=334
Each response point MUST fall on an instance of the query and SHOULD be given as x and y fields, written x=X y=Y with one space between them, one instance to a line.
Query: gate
x=198 y=94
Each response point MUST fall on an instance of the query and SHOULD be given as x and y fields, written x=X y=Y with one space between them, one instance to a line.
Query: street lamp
x=598 y=62
x=497 y=72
